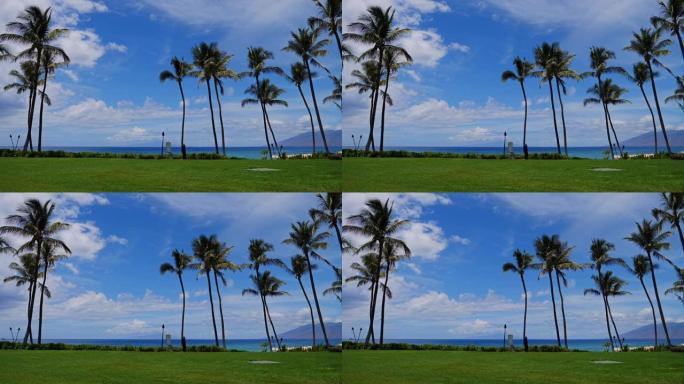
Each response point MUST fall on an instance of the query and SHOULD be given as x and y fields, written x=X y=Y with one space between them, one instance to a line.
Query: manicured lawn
x=435 y=367
x=132 y=175
x=74 y=367
x=472 y=175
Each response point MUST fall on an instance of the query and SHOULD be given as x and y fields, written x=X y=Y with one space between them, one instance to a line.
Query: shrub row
x=138 y=156
x=92 y=347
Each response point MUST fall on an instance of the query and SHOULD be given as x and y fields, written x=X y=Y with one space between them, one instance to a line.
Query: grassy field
x=40 y=367
x=126 y=175
x=471 y=175
x=435 y=367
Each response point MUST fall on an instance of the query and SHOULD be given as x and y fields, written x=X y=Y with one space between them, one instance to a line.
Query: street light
x=162 y=145
x=504 y=336
x=162 y=339
x=354 y=333
x=504 y=148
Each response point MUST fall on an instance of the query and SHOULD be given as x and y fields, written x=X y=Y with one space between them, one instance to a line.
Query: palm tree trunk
x=313 y=323
x=371 y=314
x=525 y=317
x=313 y=130
x=660 y=113
x=32 y=109
x=318 y=117
x=679 y=230
x=605 y=116
x=555 y=123
x=270 y=128
x=382 y=128
x=610 y=334
x=679 y=39
x=183 y=152
x=263 y=116
x=374 y=298
x=525 y=152
x=39 y=245
x=382 y=309
x=318 y=306
x=223 y=326
x=657 y=296
x=374 y=107
x=28 y=311
x=565 y=133
x=612 y=128
x=28 y=141
x=183 y=344
x=371 y=122
x=213 y=124
x=555 y=317
x=268 y=334
x=565 y=324
x=270 y=320
x=40 y=119
x=650 y=109
x=211 y=301
x=40 y=310
x=612 y=320
x=650 y=302
x=339 y=234
x=218 y=101
x=339 y=43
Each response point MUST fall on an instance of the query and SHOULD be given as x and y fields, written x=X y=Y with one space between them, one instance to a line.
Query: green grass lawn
x=133 y=175
x=74 y=367
x=472 y=175
x=435 y=367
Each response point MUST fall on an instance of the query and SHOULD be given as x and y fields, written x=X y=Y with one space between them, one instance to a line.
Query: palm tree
x=50 y=257
x=393 y=253
x=329 y=18
x=523 y=69
x=607 y=285
x=678 y=286
x=258 y=257
x=221 y=71
x=305 y=43
x=671 y=211
x=369 y=79
x=329 y=211
x=367 y=271
x=205 y=69
x=25 y=81
x=336 y=286
x=546 y=251
x=614 y=288
x=49 y=64
x=181 y=262
x=562 y=264
x=561 y=71
x=523 y=262
x=265 y=285
x=267 y=95
x=221 y=263
x=394 y=59
x=607 y=94
x=336 y=96
x=34 y=221
x=651 y=238
x=33 y=28
x=377 y=224
x=640 y=75
x=298 y=268
x=671 y=19
x=640 y=268
x=600 y=257
x=648 y=44
x=545 y=57
x=305 y=236
x=297 y=77
x=202 y=251
x=25 y=272
x=181 y=69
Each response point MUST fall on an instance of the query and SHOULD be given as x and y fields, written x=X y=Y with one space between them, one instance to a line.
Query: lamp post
x=162 y=339
x=504 y=147
x=162 y=144
x=354 y=333
x=359 y=336
x=504 y=344
x=354 y=140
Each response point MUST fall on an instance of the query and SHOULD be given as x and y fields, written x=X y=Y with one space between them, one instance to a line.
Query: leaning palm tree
x=33 y=29
x=394 y=59
x=671 y=19
x=562 y=71
x=678 y=286
x=329 y=18
x=523 y=69
x=203 y=253
x=221 y=60
x=640 y=268
x=607 y=285
x=306 y=44
x=545 y=57
x=639 y=76
x=546 y=251
x=298 y=268
x=649 y=44
x=53 y=58
x=298 y=76
x=392 y=254
x=34 y=221
x=306 y=236
x=265 y=285
x=608 y=94
x=221 y=263
x=267 y=95
x=329 y=211
x=523 y=262
x=181 y=69
x=651 y=238
x=671 y=212
x=204 y=61
x=181 y=262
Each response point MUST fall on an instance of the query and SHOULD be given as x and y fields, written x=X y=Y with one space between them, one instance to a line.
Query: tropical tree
x=562 y=71
x=546 y=251
x=671 y=212
x=394 y=59
x=24 y=273
x=181 y=69
x=221 y=60
x=649 y=44
x=600 y=256
x=50 y=257
x=267 y=95
x=608 y=94
x=671 y=19
x=368 y=79
x=523 y=69
x=181 y=262
x=562 y=264
x=203 y=252
x=329 y=211
x=329 y=18
x=678 y=286
x=306 y=44
x=298 y=268
x=639 y=76
x=392 y=254
x=221 y=263
x=607 y=285
x=366 y=273
x=24 y=81
x=258 y=257
x=298 y=76
x=545 y=57
x=651 y=238
x=53 y=58
x=523 y=262
x=265 y=286
x=204 y=56
x=305 y=235
x=640 y=268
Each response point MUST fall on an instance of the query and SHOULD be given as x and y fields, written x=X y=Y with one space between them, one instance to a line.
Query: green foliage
x=445 y=155
x=5 y=345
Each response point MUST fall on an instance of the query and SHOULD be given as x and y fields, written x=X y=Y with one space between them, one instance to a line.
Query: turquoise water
x=594 y=345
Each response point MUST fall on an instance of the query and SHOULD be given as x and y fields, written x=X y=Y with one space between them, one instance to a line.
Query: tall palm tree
x=221 y=71
x=546 y=251
x=368 y=79
x=265 y=285
x=181 y=262
x=33 y=28
x=640 y=268
x=205 y=69
x=523 y=262
x=671 y=19
x=298 y=76
x=649 y=44
x=305 y=235
x=562 y=71
x=329 y=18
x=34 y=221
x=329 y=211
x=366 y=273
x=221 y=263
x=376 y=29
x=24 y=273
x=377 y=224
x=50 y=258
x=545 y=57
x=53 y=58
x=639 y=76
x=267 y=95
x=305 y=43
x=651 y=238
x=394 y=59
x=298 y=268
x=671 y=211
x=181 y=69
x=392 y=254
x=613 y=289
x=202 y=251
x=600 y=256
x=24 y=81
x=607 y=285
x=678 y=286
x=523 y=69
x=608 y=94
x=258 y=257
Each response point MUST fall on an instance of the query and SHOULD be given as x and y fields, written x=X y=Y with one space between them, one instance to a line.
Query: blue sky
x=111 y=288
x=453 y=94
x=454 y=281
x=111 y=95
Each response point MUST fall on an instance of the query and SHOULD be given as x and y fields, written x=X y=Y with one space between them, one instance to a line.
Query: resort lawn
x=435 y=367
x=475 y=175
x=126 y=175
x=74 y=367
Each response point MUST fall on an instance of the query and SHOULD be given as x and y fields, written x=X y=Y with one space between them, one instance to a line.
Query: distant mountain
x=676 y=138
x=334 y=138
x=646 y=332
x=334 y=331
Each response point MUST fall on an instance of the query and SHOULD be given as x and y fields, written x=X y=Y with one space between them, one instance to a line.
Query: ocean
x=594 y=345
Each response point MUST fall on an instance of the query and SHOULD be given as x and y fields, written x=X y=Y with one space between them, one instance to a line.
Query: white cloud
x=133 y=135
x=459 y=47
x=133 y=327
x=459 y=240
x=426 y=240
x=71 y=267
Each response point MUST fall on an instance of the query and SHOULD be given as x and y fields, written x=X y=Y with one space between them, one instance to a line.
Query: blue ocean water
x=594 y=345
